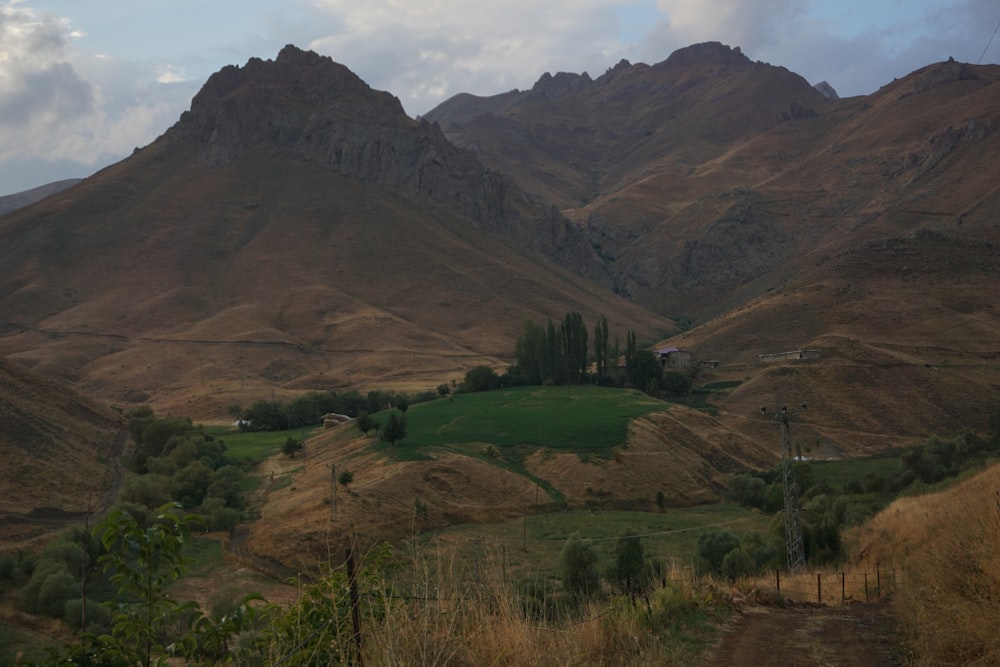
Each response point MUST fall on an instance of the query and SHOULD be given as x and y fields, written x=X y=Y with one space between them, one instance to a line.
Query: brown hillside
x=59 y=452
x=730 y=193
x=682 y=453
x=238 y=256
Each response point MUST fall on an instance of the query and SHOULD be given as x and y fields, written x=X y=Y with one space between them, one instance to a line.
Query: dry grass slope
x=947 y=547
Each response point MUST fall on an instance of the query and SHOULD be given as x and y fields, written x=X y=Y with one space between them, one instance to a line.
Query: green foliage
x=746 y=490
x=98 y=615
x=661 y=501
x=316 y=630
x=142 y=561
x=551 y=354
x=481 y=378
x=395 y=428
x=603 y=364
x=365 y=423
x=646 y=371
x=292 y=447
x=713 y=545
x=345 y=478
x=578 y=568
x=443 y=390
x=678 y=383
x=629 y=570
x=48 y=575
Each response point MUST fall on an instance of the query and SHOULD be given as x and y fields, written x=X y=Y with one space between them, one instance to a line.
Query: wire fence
x=831 y=588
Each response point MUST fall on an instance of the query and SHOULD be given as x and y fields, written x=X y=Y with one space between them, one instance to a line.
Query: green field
x=838 y=473
x=581 y=418
x=530 y=547
x=255 y=446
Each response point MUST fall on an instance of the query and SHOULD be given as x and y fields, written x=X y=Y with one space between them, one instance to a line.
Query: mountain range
x=296 y=230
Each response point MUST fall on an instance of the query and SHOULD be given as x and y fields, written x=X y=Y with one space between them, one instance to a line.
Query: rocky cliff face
x=309 y=107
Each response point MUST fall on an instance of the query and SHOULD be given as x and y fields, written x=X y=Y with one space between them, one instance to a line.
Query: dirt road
x=862 y=634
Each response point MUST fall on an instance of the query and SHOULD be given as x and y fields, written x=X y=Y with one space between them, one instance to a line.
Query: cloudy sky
x=83 y=82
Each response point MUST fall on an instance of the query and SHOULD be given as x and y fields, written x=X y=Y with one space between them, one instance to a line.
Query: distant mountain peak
x=307 y=107
x=827 y=90
x=549 y=86
x=710 y=53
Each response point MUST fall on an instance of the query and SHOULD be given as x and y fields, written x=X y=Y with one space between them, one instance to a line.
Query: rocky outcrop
x=311 y=108
x=548 y=86
x=715 y=53
x=943 y=73
x=828 y=91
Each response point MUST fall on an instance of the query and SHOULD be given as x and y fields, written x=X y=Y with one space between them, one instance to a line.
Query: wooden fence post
x=878 y=583
x=843 y=595
x=777 y=579
x=866 y=587
x=352 y=587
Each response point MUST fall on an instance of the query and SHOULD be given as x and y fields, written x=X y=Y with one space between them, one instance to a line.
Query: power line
x=983 y=54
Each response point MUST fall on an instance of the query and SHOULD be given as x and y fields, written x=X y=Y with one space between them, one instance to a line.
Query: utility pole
x=796 y=557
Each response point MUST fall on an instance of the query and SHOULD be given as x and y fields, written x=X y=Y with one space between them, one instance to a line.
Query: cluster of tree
x=176 y=461
x=51 y=584
x=826 y=511
x=558 y=354
x=630 y=573
x=309 y=408
x=140 y=556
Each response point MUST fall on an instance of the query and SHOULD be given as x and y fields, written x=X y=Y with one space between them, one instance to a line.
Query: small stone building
x=673 y=357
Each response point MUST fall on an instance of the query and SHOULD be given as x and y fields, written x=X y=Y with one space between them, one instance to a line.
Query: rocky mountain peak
x=549 y=87
x=714 y=53
x=305 y=106
x=827 y=90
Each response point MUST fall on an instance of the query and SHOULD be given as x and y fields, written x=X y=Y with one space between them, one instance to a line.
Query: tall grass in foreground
x=948 y=546
x=502 y=624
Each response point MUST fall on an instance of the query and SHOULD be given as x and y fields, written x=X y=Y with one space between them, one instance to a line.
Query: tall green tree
x=395 y=428
x=574 y=347
x=529 y=352
x=630 y=563
x=630 y=357
x=142 y=562
x=601 y=347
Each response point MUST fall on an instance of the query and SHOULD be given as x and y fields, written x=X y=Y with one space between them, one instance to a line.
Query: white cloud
x=85 y=92
x=62 y=106
x=426 y=51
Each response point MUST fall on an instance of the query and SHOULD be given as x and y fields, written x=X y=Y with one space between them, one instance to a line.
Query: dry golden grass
x=55 y=448
x=947 y=546
x=461 y=625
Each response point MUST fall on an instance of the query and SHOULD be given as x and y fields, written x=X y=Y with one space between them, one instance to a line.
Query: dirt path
x=811 y=636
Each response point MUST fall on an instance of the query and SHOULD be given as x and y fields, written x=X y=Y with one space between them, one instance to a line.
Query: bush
x=629 y=570
x=578 y=565
x=292 y=447
x=481 y=378
x=747 y=490
x=98 y=616
x=713 y=545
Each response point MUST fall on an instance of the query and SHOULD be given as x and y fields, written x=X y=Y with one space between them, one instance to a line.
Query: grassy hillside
x=493 y=456
x=59 y=451
x=946 y=545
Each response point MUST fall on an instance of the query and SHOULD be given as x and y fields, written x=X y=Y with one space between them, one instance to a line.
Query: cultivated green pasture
x=580 y=418
x=255 y=446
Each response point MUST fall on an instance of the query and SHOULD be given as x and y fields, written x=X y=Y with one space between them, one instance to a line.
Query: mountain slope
x=246 y=252
x=58 y=449
x=707 y=179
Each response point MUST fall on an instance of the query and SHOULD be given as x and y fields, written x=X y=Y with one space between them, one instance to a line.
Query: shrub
x=713 y=545
x=578 y=565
